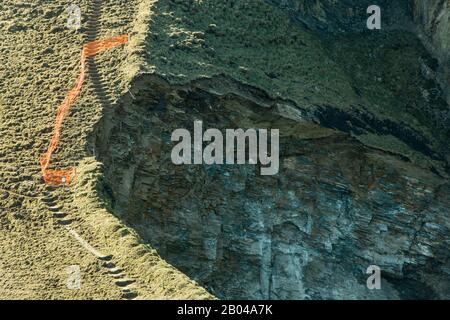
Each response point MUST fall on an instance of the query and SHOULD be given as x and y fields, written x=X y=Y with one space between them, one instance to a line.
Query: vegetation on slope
x=257 y=44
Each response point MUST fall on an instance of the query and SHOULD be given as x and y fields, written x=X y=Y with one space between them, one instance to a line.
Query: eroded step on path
x=117 y=274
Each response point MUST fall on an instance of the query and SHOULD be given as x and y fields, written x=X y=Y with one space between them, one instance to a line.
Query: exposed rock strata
x=364 y=148
x=335 y=208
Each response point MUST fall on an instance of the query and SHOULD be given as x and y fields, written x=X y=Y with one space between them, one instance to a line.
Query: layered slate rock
x=363 y=157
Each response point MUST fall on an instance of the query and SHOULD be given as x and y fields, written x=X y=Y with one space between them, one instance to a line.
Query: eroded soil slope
x=40 y=60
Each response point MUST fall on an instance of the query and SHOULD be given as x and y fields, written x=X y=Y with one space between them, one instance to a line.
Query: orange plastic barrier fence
x=58 y=177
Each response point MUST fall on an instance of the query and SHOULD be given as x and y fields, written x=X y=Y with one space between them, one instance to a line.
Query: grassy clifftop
x=380 y=74
x=250 y=41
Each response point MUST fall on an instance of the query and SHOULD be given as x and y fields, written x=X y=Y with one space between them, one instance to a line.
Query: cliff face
x=433 y=19
x=430 y=20
x=345 y=15
x=363 y=157
x=311 y=231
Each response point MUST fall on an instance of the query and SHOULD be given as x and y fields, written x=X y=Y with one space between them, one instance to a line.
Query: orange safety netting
x=58 y=177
